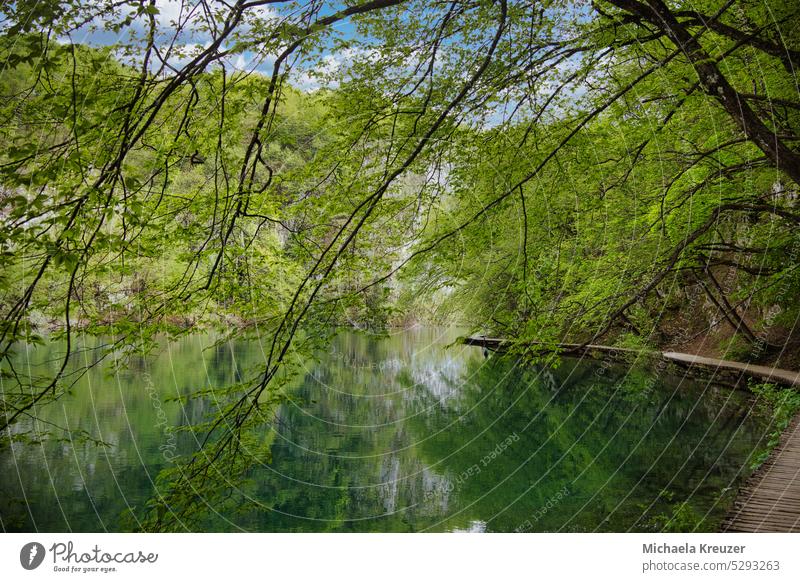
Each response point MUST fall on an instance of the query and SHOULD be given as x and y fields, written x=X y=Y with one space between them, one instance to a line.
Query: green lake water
x=400 y=434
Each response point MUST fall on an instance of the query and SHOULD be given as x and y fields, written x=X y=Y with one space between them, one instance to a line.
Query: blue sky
x=192 y=39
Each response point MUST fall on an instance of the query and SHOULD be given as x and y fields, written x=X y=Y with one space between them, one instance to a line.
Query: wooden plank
x=770 y=500
x=718 y=367
x=768 y=373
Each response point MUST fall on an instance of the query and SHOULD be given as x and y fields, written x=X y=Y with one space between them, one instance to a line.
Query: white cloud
x=330 y=68
x=170 y=11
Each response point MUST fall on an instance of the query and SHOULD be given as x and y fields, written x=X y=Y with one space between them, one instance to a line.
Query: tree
x=586 y=159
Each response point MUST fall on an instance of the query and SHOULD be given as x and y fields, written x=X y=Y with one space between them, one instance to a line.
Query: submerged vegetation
x=622 y=171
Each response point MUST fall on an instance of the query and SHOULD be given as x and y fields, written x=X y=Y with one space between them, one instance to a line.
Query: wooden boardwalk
x=766 y=373
x=770 y=499
x=719 y=369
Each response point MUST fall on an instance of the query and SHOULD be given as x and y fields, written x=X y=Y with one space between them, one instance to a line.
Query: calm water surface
x=402 y=434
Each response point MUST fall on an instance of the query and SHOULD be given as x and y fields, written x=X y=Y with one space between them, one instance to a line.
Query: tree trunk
x=715 y=84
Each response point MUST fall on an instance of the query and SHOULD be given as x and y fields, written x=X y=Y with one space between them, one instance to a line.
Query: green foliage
x=780 y=405
x=539 y=170
x=681 y=519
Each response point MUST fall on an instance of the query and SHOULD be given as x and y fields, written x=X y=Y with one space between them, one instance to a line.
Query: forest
x=619 y=172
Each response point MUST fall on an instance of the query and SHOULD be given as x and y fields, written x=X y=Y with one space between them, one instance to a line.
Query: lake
x=401 y=433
